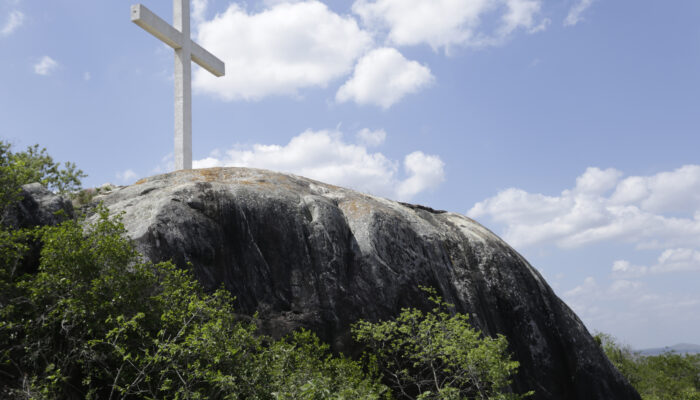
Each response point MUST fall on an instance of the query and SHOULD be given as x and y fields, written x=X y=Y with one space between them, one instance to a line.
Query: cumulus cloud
x=629 y=306
x=293 y=45
x=667 y=192
x=13 y=22
x=671 y=260
x=327 y=157
x=445 y=23
x=659 y=211
x=588 y=287
x=45 y=66
x=371 y=138
x=576 y=12
x=280 y=50
x=627 y=269
x=425 y=172
x=383 y=77
x=678 y=260
x=199 y=9
x=522 y=14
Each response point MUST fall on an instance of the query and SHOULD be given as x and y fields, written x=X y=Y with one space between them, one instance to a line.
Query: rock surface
x=38 y=207
x=307 y=254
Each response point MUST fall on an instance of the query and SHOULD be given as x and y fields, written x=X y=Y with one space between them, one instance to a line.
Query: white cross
x=178 y=37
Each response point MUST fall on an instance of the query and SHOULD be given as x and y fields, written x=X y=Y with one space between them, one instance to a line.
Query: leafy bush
x=33 y=165
x=667 y=376
x=97 y=322
x=438 y=355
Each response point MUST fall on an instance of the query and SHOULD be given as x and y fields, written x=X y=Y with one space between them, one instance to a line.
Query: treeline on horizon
x=83 y=315
x=666 y=376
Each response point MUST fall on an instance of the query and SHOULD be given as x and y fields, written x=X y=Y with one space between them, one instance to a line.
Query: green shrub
x=667 y=376
x=98 y=322
x=438 y=355
x=33 y=165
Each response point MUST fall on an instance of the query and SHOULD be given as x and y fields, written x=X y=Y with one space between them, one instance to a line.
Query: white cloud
x=596 y=181
x=45 y=66
x=575 y=13
x=425 y=172
x=199 y=9
x=382 y=77
x=629 y=307
x=671 y=260
x=623 y=268
x=521 y=14
x=127 y=176
x=445 y=23
x=678 y=260
x=13 y=22
x=588 y=287
x=371 y=138
x=667 y=192
x=271 y=3
x=325 y=156
x=660 y=211
x=623 y=286
x=279 y=50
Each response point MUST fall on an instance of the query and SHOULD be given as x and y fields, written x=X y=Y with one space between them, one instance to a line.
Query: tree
x=96 y=321
x=33 y=165
x=667 y=376
x=438 y=355
x=622 y=357
x=303 y=368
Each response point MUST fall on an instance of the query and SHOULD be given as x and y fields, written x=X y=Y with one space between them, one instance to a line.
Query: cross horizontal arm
x=146 y=19
x=207 y=60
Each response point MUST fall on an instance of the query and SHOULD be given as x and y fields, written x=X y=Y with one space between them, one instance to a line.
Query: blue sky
x=571 y=128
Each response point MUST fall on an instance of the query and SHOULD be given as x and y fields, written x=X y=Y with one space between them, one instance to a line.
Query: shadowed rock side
x=307 y=254
x=37 y=206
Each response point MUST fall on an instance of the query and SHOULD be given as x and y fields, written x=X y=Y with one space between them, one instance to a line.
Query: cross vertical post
x=183 y=87
x=178 y=37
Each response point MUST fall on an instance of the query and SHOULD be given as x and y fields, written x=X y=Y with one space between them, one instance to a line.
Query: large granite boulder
x=306 y=254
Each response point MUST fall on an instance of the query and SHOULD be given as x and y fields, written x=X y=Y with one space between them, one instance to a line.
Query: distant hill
x=681 y=348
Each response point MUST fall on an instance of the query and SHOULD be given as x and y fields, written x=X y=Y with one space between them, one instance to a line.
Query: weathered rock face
x=38 y=207
x=307 y=254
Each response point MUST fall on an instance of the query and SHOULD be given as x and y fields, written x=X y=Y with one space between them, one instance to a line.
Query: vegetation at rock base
x=33 y=165
x=667 y=376
x=94 y=320
x=438 y=355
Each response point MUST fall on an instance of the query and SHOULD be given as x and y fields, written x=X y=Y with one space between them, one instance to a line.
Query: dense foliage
x=96 y=322
x=667 y=376
x=93 y=320
x=33 y=165
x=438 y=355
